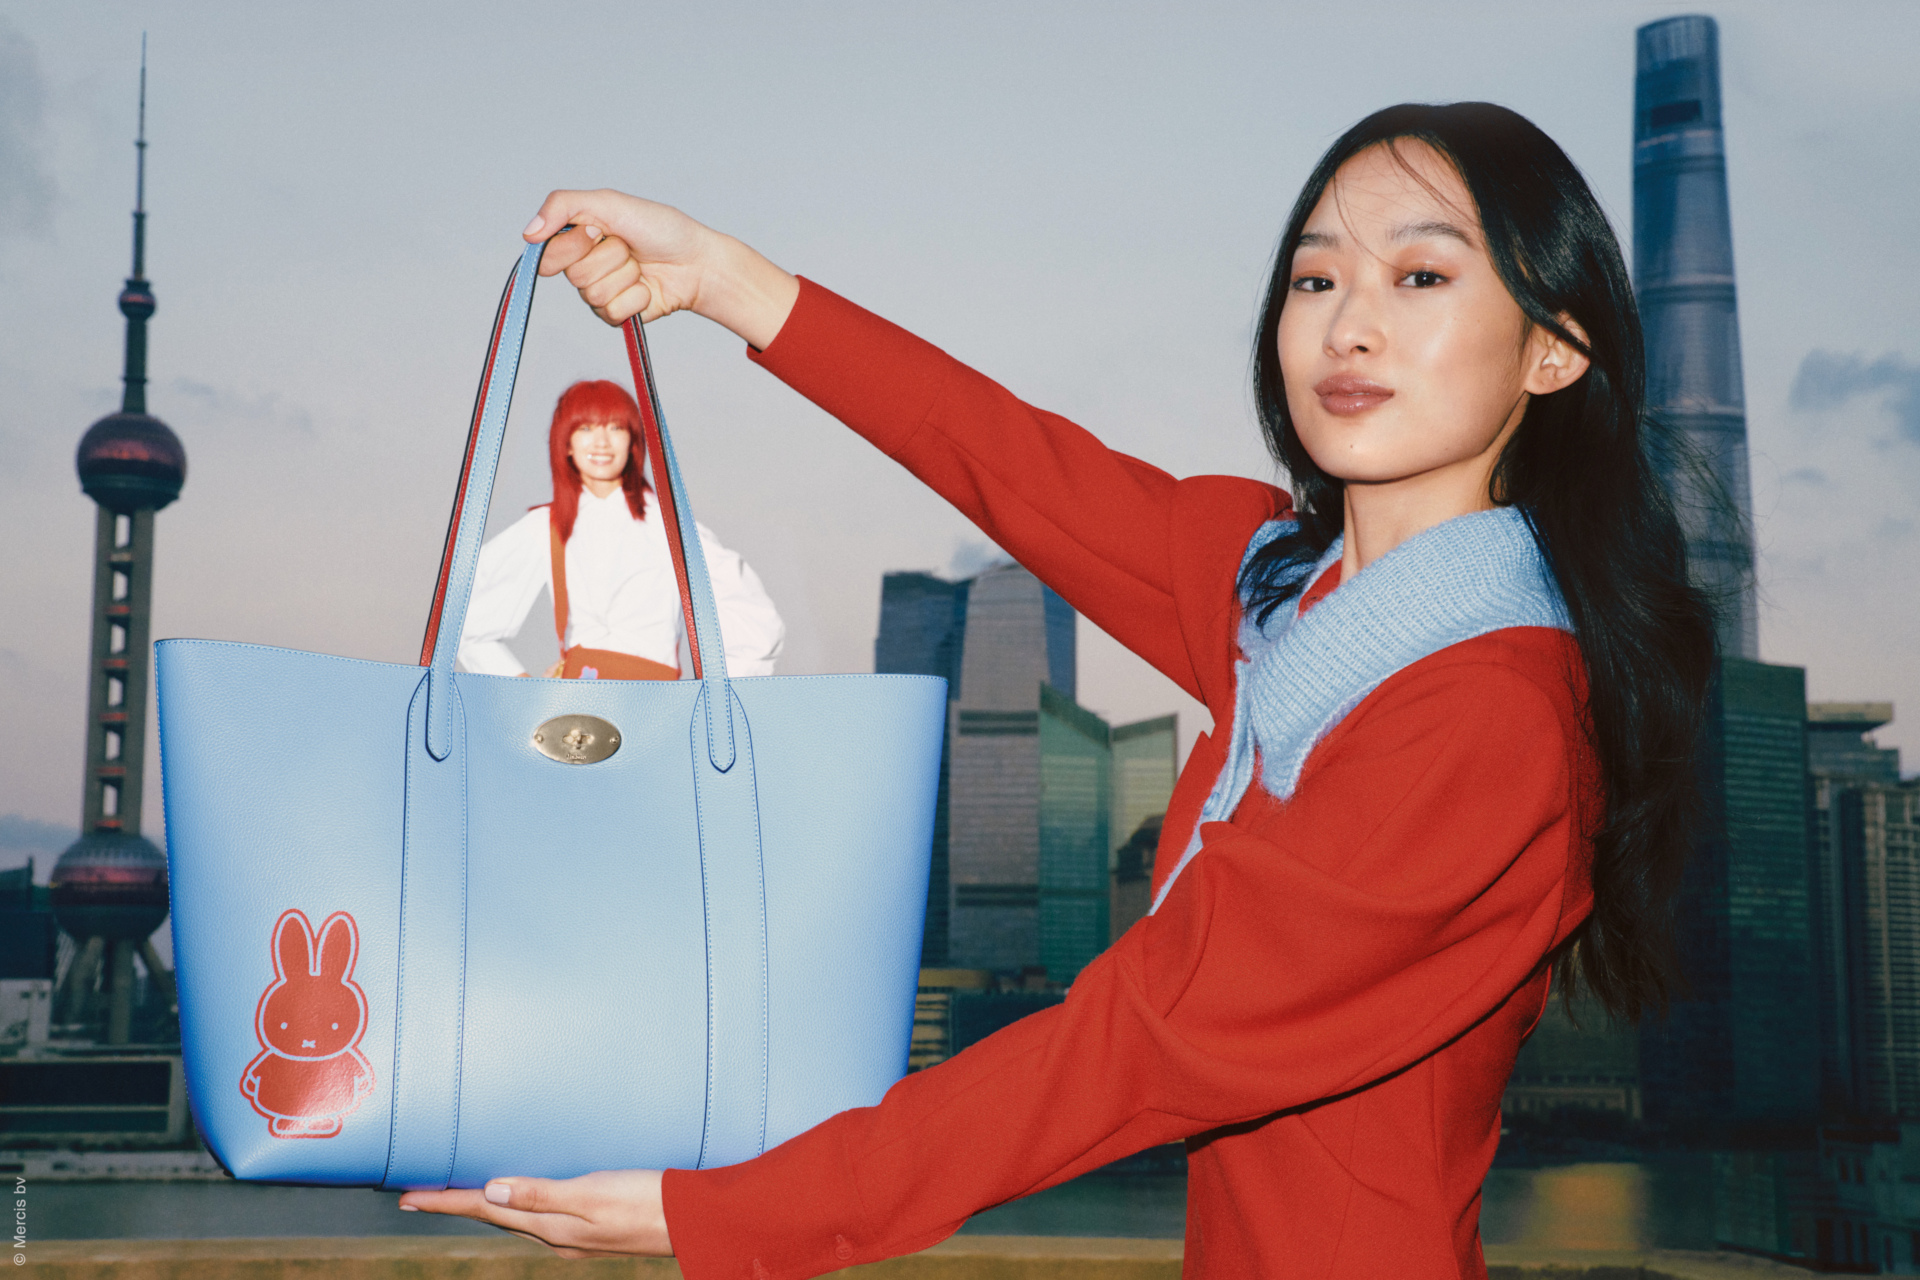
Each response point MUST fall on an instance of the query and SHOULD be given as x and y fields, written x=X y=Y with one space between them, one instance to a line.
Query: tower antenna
x=140 y=174
x=136 y=300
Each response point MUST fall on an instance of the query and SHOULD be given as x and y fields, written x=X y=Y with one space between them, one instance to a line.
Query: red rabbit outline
x=310 y=1074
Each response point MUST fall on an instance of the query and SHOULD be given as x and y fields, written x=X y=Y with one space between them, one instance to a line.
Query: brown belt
x=582 y=663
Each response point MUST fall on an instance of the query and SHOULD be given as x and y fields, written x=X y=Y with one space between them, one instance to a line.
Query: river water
x=1574 y=1208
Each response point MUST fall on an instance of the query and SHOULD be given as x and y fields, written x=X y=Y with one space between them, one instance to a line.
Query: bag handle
x=487 y=432
x=557 y=558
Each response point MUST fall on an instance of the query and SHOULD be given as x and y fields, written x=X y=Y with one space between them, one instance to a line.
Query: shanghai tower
x=1683 y=277
x=1737 y=1059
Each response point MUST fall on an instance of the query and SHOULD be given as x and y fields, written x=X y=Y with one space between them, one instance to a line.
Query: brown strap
x=559 y=580
x=606 y=663
x=610 y=664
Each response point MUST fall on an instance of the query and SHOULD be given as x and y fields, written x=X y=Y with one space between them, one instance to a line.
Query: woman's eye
x=1424 y=279
x=1311 y=284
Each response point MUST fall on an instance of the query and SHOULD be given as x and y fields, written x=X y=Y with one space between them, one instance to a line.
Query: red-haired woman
x=616 y=603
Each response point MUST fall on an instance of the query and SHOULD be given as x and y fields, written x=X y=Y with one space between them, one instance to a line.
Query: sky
x=1080 y=200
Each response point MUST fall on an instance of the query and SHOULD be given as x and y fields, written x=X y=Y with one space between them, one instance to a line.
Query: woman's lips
x=1346 y=396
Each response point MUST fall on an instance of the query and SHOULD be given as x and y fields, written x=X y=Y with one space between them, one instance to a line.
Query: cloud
x=26 y=179
x=1827 y=380
x=973 y=557
x=253 y=410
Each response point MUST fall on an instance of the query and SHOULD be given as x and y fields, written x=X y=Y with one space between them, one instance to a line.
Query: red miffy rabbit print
x=310 y=1074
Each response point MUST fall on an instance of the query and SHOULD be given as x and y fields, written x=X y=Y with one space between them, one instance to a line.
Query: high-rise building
x=1076 y=851
x=1133 y=877
x=923 y=622
x=1683 y=278
x=1838 y=746
x=110 y=887
x=1879 y=844
x=1866 y=914
x=1145 y=765
x=1738 y=1054
x=1840 y=755
x=1019 y=636
x=1023 y=845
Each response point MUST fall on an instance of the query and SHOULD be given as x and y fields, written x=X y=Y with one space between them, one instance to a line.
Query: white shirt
x=621 y=591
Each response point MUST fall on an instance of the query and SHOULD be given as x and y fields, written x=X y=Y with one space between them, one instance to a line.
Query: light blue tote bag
x=433 y=927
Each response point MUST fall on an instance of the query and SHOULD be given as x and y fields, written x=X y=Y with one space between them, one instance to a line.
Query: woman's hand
x=629 y=256
x=597 y=1215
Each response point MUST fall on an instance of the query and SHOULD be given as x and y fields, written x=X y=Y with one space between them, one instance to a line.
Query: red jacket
x=1328 y=1004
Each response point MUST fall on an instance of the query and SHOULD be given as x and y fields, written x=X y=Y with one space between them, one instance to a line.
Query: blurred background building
x=1046 y=814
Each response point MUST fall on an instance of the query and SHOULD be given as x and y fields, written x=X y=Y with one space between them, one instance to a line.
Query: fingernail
x=409 y=1208
x=533 y=226
x=499 y=1193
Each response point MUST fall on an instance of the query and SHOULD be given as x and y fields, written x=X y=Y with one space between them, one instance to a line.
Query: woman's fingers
x=609 y=276
x=636 y=300
x=556 y=1230
x=611 y=211
x=607 y=271
x=657 y=233
x=615 y=1214
x=538 y=1195
x=566 y=249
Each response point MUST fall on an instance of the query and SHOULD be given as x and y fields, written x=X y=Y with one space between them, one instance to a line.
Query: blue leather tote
x=433 y=927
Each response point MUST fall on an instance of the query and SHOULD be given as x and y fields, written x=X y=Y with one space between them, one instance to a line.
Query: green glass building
x=1738 y=1056
x=1076 y=800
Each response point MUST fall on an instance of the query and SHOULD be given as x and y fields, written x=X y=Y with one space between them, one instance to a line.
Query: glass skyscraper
x=1076 y=801
x=1866 y=877
x=1683 y=280
x=1032 y=784
x=1739 y=1053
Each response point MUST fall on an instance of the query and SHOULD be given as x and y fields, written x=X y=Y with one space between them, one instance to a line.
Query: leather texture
x=675 y=957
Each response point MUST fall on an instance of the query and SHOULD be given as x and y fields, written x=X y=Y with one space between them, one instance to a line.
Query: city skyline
x=323 y=396
x=1037 y=795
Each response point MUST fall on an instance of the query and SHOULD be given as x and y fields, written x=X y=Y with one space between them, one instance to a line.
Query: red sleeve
x=1416 y=880
x=1110 y=533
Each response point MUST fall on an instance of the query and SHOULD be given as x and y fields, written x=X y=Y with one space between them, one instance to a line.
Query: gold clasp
x=576 y=739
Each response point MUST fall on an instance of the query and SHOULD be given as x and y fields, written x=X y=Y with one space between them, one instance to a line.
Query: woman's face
x=599 y=450
x=1404 y=356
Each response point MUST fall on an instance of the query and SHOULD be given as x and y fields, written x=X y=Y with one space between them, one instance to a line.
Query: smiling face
x=599 y=450
x=1407 y=363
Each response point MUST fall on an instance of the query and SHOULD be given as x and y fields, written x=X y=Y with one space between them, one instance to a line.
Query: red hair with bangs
x=586 y=404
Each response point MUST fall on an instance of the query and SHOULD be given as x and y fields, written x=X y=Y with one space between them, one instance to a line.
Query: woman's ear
x=1553 y=363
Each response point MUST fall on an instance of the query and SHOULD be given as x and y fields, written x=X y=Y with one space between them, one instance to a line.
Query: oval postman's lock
x=576 y=739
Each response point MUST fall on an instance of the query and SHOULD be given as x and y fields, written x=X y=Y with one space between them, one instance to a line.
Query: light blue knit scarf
x=1299 y=677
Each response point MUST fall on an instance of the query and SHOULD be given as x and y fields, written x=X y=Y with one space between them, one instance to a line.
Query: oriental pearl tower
x=110 y=886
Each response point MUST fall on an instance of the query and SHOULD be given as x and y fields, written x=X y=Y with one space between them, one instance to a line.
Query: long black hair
x=1583 y=468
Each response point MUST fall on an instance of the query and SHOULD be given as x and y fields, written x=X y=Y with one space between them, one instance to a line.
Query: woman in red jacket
x=1455 y=681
